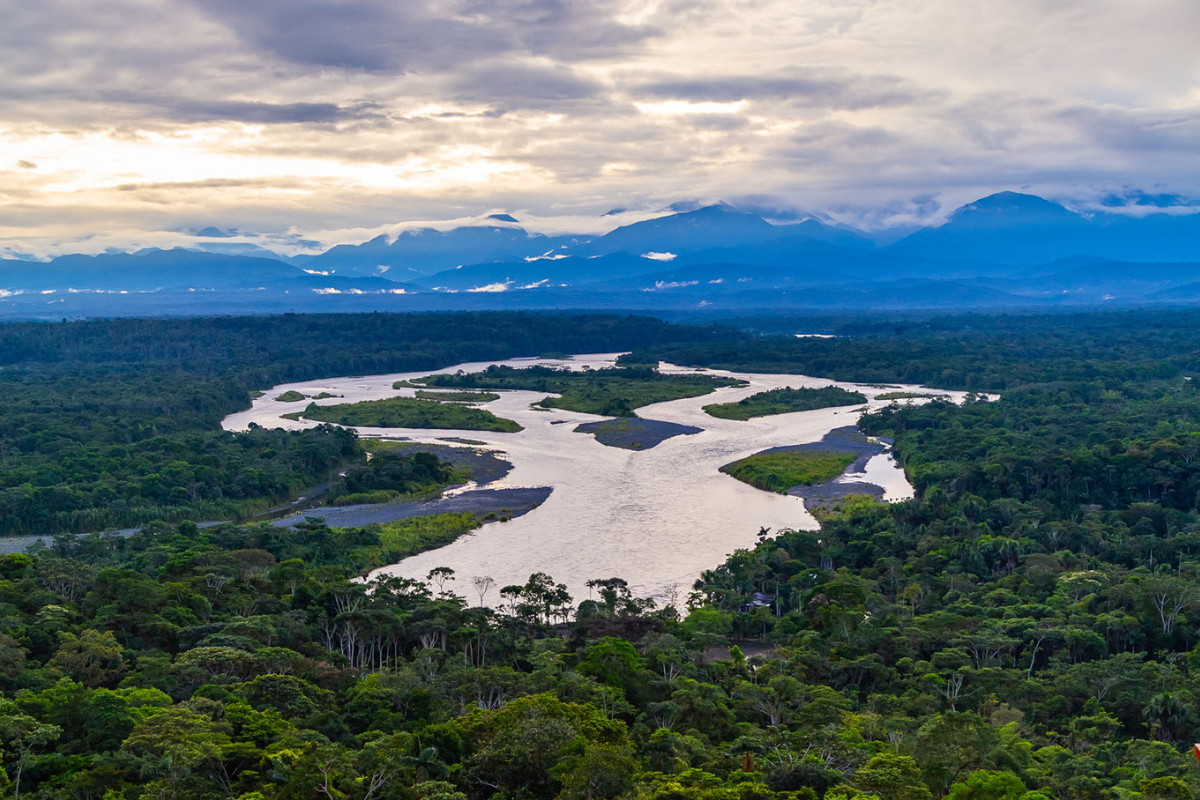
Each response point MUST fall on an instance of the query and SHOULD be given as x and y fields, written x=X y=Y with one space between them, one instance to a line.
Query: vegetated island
x=785 y=401
x=476 y=461
x=292 y=396
x=909 y=395
x=457 y=397
x=850 y=441
x=635 y=433
x=408 y=412
x=781 y=470
x=610 y=392
x=809 y=470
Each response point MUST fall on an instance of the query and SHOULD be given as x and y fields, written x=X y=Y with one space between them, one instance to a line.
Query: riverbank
x=655 y=516
x=487 y=504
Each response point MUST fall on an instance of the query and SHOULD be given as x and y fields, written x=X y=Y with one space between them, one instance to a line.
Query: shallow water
x=655 y=517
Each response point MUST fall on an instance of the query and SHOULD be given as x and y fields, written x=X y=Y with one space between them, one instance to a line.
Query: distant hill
x=427 y=251
x=686 y=232
x=1012 y=228
x=1007 y=250
x=155 y=270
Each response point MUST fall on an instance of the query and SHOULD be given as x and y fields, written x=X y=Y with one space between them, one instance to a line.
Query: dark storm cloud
x=266 y=113
x=385 y=35
x=506 y=85
x=827 y=91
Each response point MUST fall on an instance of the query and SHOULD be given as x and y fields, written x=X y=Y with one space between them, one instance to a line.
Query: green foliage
x=613 y=392
x=408 y=412
x=458 y=397
x=895 y=777
x=291 y=396
x=1024 y=629
x=985 y=785
x=391 y=474
x=906 y=395
x=785 y=401
x=116 y=423
x=408 y=537
x=783 y=469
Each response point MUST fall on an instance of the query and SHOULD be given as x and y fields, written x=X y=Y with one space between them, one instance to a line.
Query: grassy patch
x=372 y=497
x=407 y=537
x=607 y=392
x=458 y=397
x=407 y=412
x=291 y=396
x=785 y=401
x=780 y=471
x=256 y=394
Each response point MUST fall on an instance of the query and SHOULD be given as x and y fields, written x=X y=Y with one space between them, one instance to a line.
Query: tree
x=893 y=777
x=949 y=745
x=440 y=576
x=1165 y=789
x=612 y=661
x=172 y=742
x=594 y=771
x=1171 y=596
x=483 y=584
x=1170 y=715
x=21 y=735
x=92 y=658
x=985 y=785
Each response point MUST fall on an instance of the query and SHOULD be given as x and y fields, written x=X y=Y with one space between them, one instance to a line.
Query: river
x=656 y=517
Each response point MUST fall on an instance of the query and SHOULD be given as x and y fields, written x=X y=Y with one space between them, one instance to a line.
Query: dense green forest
x=971 y=352
x=607 y=392
x=1027 y=628
x=785 y=401
x=113 y=423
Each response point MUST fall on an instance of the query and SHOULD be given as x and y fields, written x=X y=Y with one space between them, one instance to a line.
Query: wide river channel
x=656 y=517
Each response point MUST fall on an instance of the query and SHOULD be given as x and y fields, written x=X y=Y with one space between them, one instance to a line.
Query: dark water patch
x=498 y=503
x=830 y=492
x=634 y=433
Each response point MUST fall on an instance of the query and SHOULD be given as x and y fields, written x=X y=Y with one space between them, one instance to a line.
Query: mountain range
x=1005 y=250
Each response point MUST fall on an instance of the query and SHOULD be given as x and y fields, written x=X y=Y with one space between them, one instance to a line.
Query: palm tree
x=426 y=764
x=1167 y=714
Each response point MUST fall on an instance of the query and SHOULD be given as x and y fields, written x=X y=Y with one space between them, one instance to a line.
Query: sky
x=304 y=123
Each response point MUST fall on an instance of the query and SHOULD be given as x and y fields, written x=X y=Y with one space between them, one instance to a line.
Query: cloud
x=327 y=119
x=836 y=90
x=256 y=112
x=506 y=85
x=384 y=35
